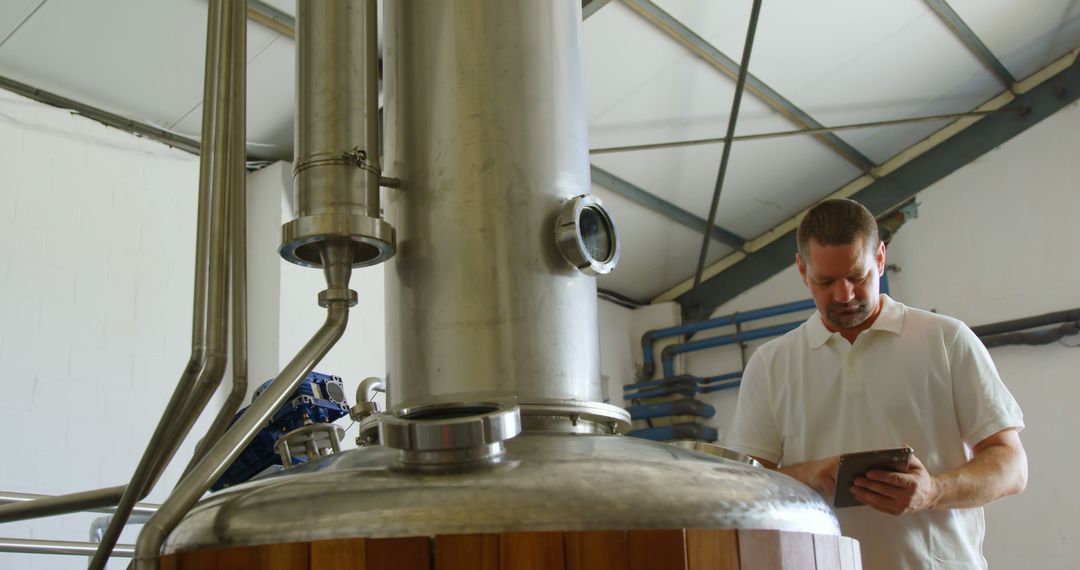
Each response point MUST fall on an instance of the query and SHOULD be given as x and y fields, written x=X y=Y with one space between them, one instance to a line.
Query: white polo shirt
x=914 y=378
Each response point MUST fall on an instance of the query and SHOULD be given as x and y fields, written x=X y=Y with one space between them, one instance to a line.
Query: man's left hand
x=897 y=493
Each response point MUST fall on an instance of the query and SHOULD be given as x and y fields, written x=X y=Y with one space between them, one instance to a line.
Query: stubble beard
x=848 y=315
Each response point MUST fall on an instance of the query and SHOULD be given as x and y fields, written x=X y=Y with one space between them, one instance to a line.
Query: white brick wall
x=95 y=307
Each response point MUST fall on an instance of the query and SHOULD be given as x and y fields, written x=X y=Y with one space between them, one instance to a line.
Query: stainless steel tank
x=492 y=321
x=486 y=128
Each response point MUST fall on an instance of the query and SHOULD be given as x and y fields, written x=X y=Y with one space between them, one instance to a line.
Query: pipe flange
x=451 y=434
x=586 y=236
x=373 y=240
x=337 y=295
x=574 y=417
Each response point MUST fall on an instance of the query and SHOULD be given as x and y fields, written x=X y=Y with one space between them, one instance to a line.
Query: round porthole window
x=586 y=236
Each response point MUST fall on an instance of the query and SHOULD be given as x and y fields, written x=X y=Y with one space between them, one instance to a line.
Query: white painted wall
x=95 y=307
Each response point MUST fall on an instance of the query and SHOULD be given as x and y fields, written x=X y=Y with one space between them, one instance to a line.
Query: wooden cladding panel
x=531 y=551
x=663 y=549
x=467 y=552
x=826 y=551
x=597 y=550
x=413 y=553
x=660 y=549
x=293 y=556
x=712 y=549
x=347 y=554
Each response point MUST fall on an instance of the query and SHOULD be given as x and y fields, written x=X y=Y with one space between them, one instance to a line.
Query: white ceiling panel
x=271 y=94
x=1024 y=35
x=13 y=13
x=112 y=53
x=688 y=99
x=851 y=62
x=622 y=54
x=655 y=253
x=767 y=180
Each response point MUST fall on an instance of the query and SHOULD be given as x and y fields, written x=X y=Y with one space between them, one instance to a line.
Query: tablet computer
x=854 y=465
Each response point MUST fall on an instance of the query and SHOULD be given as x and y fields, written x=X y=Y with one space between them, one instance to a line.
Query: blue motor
x=319 y=399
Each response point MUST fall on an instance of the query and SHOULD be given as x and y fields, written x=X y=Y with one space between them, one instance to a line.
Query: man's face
x=843 y=280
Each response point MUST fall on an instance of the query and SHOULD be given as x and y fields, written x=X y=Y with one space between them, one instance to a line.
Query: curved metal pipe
x=365 y=392
x=237 y=154
x=226 y=40
x=211 y=466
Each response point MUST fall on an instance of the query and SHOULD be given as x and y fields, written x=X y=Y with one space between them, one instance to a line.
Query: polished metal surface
x=718 y=451
x=547 y=482
x=310 y=441
x=451 y=434
x=486 y=129
x=21 y=506
x=8 y=497
x=221 y=166
x=337 y=268
x=586 y=236
x=68 y=547
x=337 y=166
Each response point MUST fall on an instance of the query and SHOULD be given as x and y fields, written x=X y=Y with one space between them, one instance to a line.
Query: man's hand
x=819 y=475
x=898 y=493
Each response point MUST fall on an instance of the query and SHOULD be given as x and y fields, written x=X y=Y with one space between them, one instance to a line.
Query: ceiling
x=654 y=73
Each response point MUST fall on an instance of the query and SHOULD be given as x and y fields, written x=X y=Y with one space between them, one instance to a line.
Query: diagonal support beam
x=1055 y=87
x=972 y=41
x=589 y=7
x=706 y=51
x=642 y=197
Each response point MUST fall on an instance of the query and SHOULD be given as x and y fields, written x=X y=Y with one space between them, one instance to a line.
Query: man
x=866 y=372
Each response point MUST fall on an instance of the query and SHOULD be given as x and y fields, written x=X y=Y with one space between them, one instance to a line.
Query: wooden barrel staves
x=660 y=549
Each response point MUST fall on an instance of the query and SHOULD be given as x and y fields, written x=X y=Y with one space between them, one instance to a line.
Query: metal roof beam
x=706 y=51
x=660 y=206
x=272 y=18
x=589 y=7
x=910 y=176
x=972 y=41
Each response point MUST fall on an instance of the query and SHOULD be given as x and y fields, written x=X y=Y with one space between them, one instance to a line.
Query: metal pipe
x=810 y=131
x=337 y=158
x=36 y=506
x=365 y=392
x=336 y=261
x=1027 y=322
x=237 y=191
x=736 y=101
x=8 y=497
x=669 y=352
x=650 y=337
x=98 y=526
x=226 y=39
x=72 y=548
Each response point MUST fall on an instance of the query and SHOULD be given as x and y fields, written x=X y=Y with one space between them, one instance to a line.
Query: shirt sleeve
x=983 y=404
x=753 y=429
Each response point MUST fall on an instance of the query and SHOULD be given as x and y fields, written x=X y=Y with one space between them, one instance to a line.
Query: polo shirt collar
x=890 y=319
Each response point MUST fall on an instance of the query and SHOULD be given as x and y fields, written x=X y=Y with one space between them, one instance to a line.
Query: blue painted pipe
x=696 y=431
x=721 y=386
x=671 y=351
x=685 y=407
x=650 y=337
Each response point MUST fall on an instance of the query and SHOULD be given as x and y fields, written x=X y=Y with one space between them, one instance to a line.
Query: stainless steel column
x=336 y=164
x=486 y=129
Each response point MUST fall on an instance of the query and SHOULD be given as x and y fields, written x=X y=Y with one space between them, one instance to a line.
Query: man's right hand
x=819 y=475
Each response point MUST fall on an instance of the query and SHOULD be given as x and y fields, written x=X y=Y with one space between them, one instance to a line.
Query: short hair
x=838 y=221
